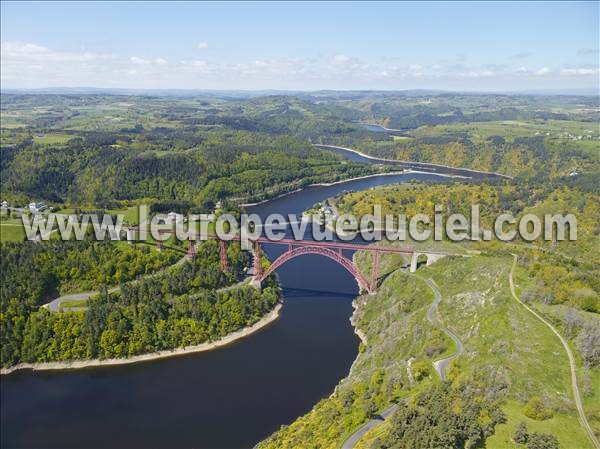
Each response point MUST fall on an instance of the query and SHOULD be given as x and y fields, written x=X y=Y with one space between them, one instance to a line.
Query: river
x=231 y=397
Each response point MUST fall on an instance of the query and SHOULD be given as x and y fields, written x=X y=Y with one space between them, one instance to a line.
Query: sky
x=505 y=46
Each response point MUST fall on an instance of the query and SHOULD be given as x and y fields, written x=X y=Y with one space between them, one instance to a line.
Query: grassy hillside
x=510 y=357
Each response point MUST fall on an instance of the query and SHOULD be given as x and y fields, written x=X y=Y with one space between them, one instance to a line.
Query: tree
x=370 y=409
x=521 y=435
x=588 y=342
x=572 y=322
x=542 y=441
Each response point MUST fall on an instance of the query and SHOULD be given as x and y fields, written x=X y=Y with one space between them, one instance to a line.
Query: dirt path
x=579 y=404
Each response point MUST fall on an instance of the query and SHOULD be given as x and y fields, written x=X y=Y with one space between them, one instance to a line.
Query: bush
x=542 y=441
x=521 y=435
x=535 y=409
x=420 y=370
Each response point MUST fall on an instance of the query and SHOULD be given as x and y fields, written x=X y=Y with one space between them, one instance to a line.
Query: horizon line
x=434 y=91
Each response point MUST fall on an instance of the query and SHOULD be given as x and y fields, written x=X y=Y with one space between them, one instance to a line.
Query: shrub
x=521 y=435
x=535 y=409
x=542 y=441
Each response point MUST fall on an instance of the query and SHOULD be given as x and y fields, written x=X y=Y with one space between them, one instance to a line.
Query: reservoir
x=228 y=398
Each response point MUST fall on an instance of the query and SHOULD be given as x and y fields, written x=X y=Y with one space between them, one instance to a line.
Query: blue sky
x=301 y=46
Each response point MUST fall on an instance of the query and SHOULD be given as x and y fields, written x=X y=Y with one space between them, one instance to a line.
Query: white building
x=329 y=211
x=174 y=218
x=37 y=207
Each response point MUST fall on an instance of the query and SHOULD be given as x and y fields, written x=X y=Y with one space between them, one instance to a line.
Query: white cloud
x=28 y=64
x=578 y=71
x=194 y=63
x=24 y=51
x=340 y=59
x=478 y=73
x=139 y=61
x=202 y=45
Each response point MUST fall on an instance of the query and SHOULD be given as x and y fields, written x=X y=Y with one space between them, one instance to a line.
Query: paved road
x=356 y=436
x=54 y=305
x=441 y=365
x=582 y=418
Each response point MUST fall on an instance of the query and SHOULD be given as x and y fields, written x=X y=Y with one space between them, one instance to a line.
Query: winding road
x=356 y=436
x=441 y=365
x=54 y=305
x=576 y=395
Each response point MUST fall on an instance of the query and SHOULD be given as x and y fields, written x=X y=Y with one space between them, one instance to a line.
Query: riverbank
x=381 y=128
x=424 y=164
x=203 y=347
x=357 y=178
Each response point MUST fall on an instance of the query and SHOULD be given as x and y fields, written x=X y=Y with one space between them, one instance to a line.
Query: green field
x=561 y=129
x=11 y=232
x=52 y=138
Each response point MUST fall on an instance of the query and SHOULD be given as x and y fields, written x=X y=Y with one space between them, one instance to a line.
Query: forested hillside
x=176 y=307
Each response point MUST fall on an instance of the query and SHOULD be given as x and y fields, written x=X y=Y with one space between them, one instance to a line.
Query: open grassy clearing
x=52 y=138
x=524 y=356
x=513 y=128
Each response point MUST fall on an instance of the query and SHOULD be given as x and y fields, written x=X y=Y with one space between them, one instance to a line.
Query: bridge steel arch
x=331 y=254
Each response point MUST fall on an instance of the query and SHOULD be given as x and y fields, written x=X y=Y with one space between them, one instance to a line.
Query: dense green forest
x=175 y=307
x=101 y=149
x=176 y=157
x=218 y=165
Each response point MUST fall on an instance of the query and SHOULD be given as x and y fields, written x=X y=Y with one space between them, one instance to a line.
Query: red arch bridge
x=295 y=248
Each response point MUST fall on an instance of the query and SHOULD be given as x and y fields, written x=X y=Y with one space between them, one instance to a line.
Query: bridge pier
x=191 y=252
x=223 y=256
x=258 y=271
x=374 y=273
x=431 y=258
x=159 y=243
x=413 y=262
x=256 y=283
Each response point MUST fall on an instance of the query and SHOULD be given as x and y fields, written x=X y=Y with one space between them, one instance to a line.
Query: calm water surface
x=228 y=398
